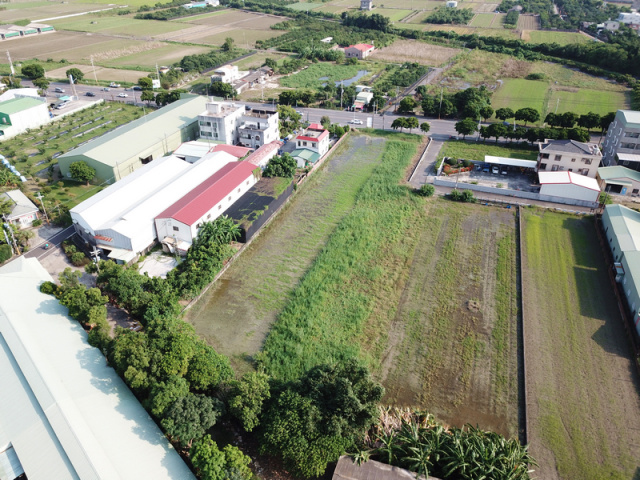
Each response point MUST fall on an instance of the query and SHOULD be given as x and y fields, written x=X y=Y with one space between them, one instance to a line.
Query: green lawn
x=472 y=150
x=518 y=93
x=328 y=72
x=561 y=38
x=584 y=419
x=583 y=101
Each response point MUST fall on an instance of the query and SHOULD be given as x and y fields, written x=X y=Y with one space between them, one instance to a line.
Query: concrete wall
x=630 y=291
x=612 y=240
x=514 y=193
x=575 y=192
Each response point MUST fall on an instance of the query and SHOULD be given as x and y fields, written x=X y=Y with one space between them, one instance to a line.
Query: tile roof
x=256 y=158
x=361 y=46
x=191 y=207
x=569 y=146
x=237 y=152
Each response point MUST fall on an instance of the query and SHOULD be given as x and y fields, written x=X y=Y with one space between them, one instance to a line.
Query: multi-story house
x=622 y=143
x=570 y=156
x=366 y=4
x=257 y=127
x=219 y=122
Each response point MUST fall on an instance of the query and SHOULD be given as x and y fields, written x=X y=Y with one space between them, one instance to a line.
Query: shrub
x=5 y=253
x=60 y=184
x=78 y=259
x=464 y=196
x=49 y=288
x=535 y=76
x=426 y=190
x=37 y=222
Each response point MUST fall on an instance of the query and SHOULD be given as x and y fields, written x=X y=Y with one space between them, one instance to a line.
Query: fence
x=424 y=154
x=523 y=339
x=515 y=193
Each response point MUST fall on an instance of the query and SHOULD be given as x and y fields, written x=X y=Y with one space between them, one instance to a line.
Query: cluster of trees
x=403 y=75
x=635 y=97
x=81 y=171
x=281 y=166
x=410 y=123
x=206 y=61
x=448 y=15
x=35 y=72
x=290 y=120
x=573 y=11
x=171 y=13
x=470 y=103
x=360 y=20
x=511 y=19
x=222 y=89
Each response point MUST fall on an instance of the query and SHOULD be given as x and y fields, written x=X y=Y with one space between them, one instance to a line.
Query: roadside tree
x=145 y=83
x=407 y=105
x=504 y=113
x=425 y=127
x=411 y=123
x=33 y=71
x=528 y=115
x=466 y=127
x=76 y=73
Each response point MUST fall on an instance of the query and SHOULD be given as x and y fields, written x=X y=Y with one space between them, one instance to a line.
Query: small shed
x=569 y=185
x=452 y=4
x=23 y=212
x=511 y=162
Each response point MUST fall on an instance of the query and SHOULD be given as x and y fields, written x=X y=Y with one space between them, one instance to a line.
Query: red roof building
x=262 y=155
x=359 y=50
x=237 y=152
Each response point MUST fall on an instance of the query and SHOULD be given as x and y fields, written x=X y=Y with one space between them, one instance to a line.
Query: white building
x=570 y=156
x=65 y=414
x=569 y=185
x=452 y=4
x=19 y=93
x=366 y=5
x=359 y=51
x=225 y=74
x=262 y=155
x=257 y=127
x=621 y=146
x=220 y=121
x=120 y=219
x=311 y=145
x=20 y=114
x=23 y=212
x=178 y=225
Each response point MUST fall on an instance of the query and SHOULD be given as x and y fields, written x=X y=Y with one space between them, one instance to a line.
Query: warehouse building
x=120 y=219
x=569 y=185
x=618 y=180
x=124 y=150
x=178 y=225
x=20 y=114
x=65 y=414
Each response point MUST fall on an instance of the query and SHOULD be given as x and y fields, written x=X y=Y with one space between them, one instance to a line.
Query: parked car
x=114 y=85
x=486 y=168
x=495 y=170
x=355 y=121
x=123 y=95
x=247 y=108
x=90 y=94
x=61 y=105
x=59 y=90
x=106 y=89
x=503 y=170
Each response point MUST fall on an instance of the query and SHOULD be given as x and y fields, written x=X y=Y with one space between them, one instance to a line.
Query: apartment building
x=569 y=155
x=622 y=144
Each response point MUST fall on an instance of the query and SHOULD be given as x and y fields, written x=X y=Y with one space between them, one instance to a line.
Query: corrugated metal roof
x=19 y=104
x=67 y=414
x=513 y=162
x=626 y=226
x=257 y=157
x=143 y=133
x=628 y=157
x=22 y=204
x=547 y=178
x=192 y=149
x=190 y=208
x=237 y=152
x=617 y=172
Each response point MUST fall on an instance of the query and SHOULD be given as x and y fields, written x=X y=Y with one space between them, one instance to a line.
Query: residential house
x=362 y=100
x=23 y=211
x=569 y=185
x=257 y=127
x=260 y=158
x=22 y=113
x=311 y=145
x=366 y=5
x=359 y=51
x=225 y=74
x=619 y=180
x=622 y=144
x=452 y=4
x=220 y=121
x=570 y=156
x=178 y=225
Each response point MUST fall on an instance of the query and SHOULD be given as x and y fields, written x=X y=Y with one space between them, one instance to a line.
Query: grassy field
x=101 y=73
x=415 y=51
x=584 y=409
x=318 y=73
x=164 y=54
x=471 y=150
x=518 y=93
x=393 y=14
x=36 y=10
x=33 y=152
x=483 y=20
x=584 y=101
x=561 y=38
x=304 y=6
x=256 y=287
x=115 y=25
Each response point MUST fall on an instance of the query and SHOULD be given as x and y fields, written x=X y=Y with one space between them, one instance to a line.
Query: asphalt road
x=39 y=252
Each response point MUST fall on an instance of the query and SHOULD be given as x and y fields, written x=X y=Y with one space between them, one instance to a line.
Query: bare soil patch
x=414 y=51
x=101 y=73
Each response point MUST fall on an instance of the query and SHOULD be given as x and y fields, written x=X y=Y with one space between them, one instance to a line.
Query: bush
x=49 y=288
x=464 y=196
x=37 y=223
x=5 y=253
x=535 y=76
x=426 y=190
x=78 y=259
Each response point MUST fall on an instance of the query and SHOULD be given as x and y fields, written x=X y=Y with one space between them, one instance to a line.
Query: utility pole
x=95 y=253
x=7 y=227
x=341 y=92
x=7 y=240
x=440 y=109
x=94 y=71
x=13 y=72
x=40 y=197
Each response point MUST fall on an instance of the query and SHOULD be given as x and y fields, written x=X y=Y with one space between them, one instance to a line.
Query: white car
x=123 y=95
x=355 y=121
x=114 y=85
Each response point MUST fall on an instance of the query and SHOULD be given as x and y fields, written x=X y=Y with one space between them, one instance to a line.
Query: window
x=634 y=191
x=198 y=225
x=545 y=155
x=313 y=145
x=247 y=182
x=571 y=169
x=585 y=172
x=632 y=134
x=586 y=161
x=558 y=158
x=573 y=159
x=543 y=166
x=238 y=190
x=176 y=229
x=219 y=207
x=628 y=145
x=208 y=216
x=554 y=168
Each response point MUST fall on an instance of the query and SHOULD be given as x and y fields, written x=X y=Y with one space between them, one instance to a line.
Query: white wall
x=570 y=191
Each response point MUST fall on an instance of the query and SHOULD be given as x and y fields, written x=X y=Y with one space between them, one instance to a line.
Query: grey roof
x=66 y=413
x=346 y=469
x=617 y=172
x=21 y=204
x=569 y=146
x=630 y=117
x=142 y=133
x=626 y=226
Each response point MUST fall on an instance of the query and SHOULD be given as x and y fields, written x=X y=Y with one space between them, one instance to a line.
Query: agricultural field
x=393 y=14
x=101 y=73
x=255 y=288
x=528 y=23
x=487 y=20
x=16 y=11
x=304 y=6
x=402 y=51
x=318 y=73
x=115 y=25
x=477 y=150
x=584 y=408
x=163 y=54
x=561 y=38
x=257 y=60
x=518 y=93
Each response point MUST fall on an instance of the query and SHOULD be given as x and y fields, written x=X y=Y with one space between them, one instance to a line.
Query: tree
x=11 y=82
x=407 y=104
x=504 y=113
x=227 y=46
x=190 y=417
x=164 y=394
x=131 y=357
x=145 y=83
x=325 y=121
x=466 y=127
x=76 y=73
x=247 y=398
x=42 y=83
x=411 y=123
x=485 y=133
x=213 y=464
x=447 y=108
x=33 y=71
x=486 y=112
x=221 y=89
x=81 y=171
x=426 y=190
x=552 y=119
x=289 y=119
x=207 y=368
x=527 y=115
x=578 y=134
x=606 y=120
x=399 y=123
x=497 y=130
x=589 y=121
x=568 y=119
x=425 y=127
x=281 y=166
x=147 y=96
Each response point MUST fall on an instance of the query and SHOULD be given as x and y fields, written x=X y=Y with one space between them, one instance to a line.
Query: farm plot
x=414 y=51
x=116 y=25
x=518 y=93
x=163 y=54
x=304 y=6
x=40 y=10
x=583 y=101
x=237 y=313
x=319 y=73
x=561 y=38
x=584 y=408
x=482 y=20
x=393 y=14
x=528 y=22
x=422 y=291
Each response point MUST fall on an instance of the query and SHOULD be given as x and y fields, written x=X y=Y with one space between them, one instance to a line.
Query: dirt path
x=583 y=391
x=237 y=313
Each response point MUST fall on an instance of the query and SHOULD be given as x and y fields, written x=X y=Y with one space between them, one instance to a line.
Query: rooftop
x=65 y=412
x=220 y=109
x=21 y=204
x=361 y=46
x=234 y=150
x=514 y=162
x=626 y=226
x=142 y=133
x=191 y=207
x=570 y=146
x=19 y=104
x=549 y=178
x=630 y=117
x=256 y=157
x=618 y=171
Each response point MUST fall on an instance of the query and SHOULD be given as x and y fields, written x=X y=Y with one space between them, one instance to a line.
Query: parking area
x=158 y=264
x=499 y=176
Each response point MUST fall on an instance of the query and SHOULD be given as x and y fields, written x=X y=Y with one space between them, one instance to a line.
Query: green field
x=518 y=93
x=583 y=101
x=482 y=20
x=584 y=414
x=472 y=150
x=561 y=38
x=304 y=7
x=117 y=25
x=393 y=14
x=165 y=54
x=318 y=73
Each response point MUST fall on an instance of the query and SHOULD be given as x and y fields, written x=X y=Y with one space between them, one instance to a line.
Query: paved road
x=39 y=252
